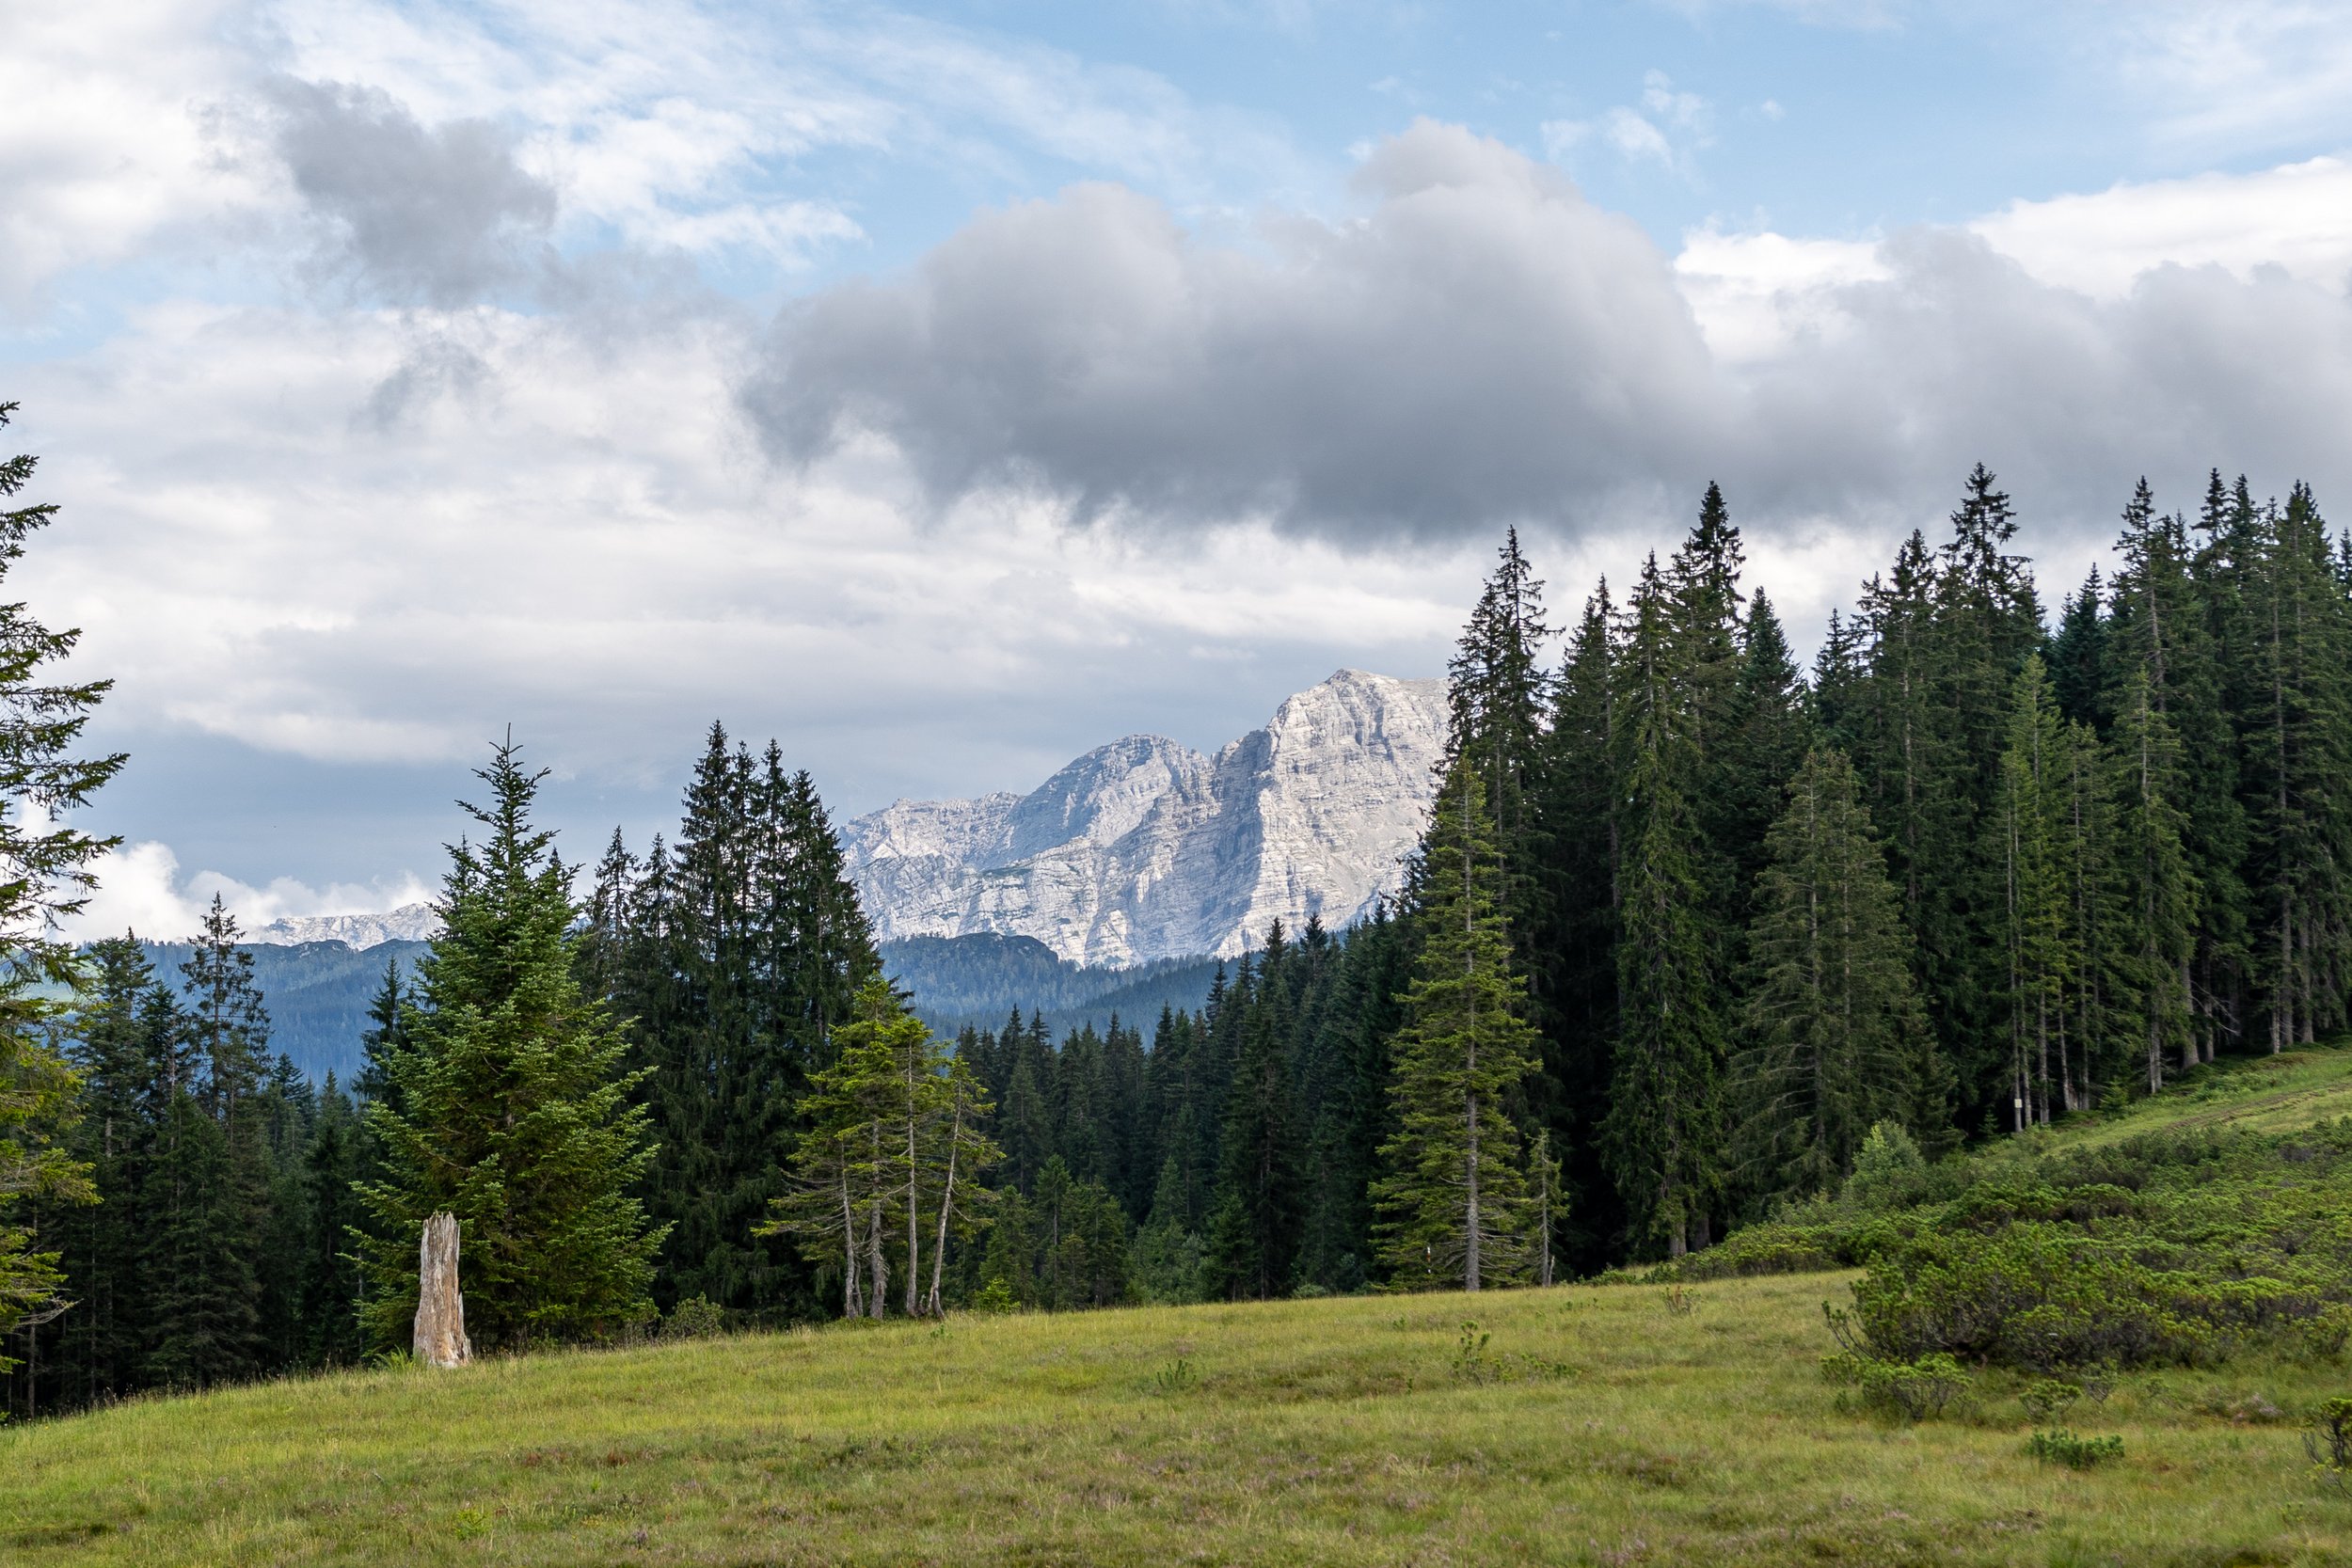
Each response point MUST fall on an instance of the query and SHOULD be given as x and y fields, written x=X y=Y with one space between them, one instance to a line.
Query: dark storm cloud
x=1485 y=346
x=439 y=215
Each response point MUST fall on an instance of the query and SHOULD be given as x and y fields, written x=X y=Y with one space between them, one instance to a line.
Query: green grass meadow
x=1600 y=1425
x=1586 y=1424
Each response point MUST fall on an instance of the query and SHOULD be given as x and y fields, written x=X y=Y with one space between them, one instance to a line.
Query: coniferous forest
x=1690 y=923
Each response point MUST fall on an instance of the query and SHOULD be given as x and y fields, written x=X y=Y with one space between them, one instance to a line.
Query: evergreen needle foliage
x=1453 y=1206
x=511 y=1108
x=45 y=875
x=1838 y=1042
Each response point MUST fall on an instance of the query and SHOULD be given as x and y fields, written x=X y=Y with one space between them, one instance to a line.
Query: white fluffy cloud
x=1093 y=460
x=142 y=889
x=107 y=139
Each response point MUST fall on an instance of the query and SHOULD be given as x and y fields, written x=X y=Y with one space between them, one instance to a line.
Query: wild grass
x=1596 y=1427
x=1688 y=1423
x=2253 y=1094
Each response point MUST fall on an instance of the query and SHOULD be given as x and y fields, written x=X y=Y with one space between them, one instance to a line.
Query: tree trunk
x=440 y=1328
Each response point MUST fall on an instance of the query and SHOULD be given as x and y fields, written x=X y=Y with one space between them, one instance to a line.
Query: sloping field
x=2260 y=1094
x=1605 y=1425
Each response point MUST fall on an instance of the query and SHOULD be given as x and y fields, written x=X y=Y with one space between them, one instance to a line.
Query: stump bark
x=440 y=1336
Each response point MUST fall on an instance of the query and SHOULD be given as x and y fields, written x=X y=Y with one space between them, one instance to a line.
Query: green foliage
x=734 y=956
x=1179 y=1376
x=1453 y=1203
x=1839 y=1046
x=2328 y=1439
x=1917 y=1390
x=2062 y=1447
x=48 y=877
x=695 y=1318
x=512 y=1108
x=2166 y=1250
x=2047 y=1399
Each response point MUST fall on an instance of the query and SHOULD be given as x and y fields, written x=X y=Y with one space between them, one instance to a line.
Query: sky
x=945 y=391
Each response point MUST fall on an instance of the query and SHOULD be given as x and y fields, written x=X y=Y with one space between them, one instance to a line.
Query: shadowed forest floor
x=1596 y=1424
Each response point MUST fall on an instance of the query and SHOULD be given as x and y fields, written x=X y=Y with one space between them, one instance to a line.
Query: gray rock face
x=1147 y=849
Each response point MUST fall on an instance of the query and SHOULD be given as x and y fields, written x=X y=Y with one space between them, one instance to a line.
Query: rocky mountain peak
x=1146 y=849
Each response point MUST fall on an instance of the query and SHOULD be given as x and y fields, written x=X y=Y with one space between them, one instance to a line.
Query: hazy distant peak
x=408 y=923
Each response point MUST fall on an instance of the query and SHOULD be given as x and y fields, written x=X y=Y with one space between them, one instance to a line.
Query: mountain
x=979 y=979
x=317 y=993
x=408 y=923
x=1146 y=849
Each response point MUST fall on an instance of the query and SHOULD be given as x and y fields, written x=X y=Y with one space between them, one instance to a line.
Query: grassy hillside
x=1608 y=1424
x=2260 y=1094
x=1598 y=1425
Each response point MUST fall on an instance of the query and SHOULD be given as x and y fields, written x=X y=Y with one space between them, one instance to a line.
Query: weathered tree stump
x=441 y=1339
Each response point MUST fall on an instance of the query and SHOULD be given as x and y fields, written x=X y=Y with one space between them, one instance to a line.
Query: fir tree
x=45 y=875
x=1254 y=1220
x=2157 y=893
x=1663 y=1133
x=1574 y=974
x=2041 y=960
x=513 y=1108
x=329 y=1276
x=1836 y=1040
x=1452 y=1203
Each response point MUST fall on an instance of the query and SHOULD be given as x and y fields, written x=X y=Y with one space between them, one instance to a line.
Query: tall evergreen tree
x=1573 y=973
x=45 y=875
x=2158 y=892
x=513 y=1107
x=1836 y=1040
x=1453 y=1204
x=2042 y=962
x=1663 y=1129
x=1255 y=1217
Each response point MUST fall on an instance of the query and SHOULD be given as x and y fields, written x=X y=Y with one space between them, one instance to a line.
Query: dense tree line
x=1688 y=929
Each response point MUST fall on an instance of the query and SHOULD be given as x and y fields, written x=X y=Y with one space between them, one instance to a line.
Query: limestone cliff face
x=1147 y=849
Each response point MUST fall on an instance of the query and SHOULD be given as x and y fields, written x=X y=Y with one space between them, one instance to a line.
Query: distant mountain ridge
x=317 y=993
x=981 y=979
x=359 y=932
x=1145 y=849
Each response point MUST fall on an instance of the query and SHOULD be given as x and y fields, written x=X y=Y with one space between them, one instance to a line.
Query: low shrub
x=2329 y=1440
x=2180 y=1250
x=2062 y=1447
x=695 y=1318
x=1762 y=1249
x=1908 y=1390
x=2047 y=1399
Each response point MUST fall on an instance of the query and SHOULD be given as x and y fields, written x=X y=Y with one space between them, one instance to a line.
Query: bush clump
x=2062 y=1447
x=2179 y=1250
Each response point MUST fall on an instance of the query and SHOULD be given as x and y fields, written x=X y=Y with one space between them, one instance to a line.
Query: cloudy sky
x=945 y=391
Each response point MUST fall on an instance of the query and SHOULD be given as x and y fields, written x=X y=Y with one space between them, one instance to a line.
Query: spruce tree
x=1255 y=1215
x=2042 y=960
x=1452 y=1203
x=45 y=875
x=2298 y=741
x=513 y=1107
x=1836 y=1041
x=1663 y=1133
x=101 y=1344
x=2158 y=892
x=329 y=1276
x=1497 y=691
x=1574 y=974
x=2079 y=655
